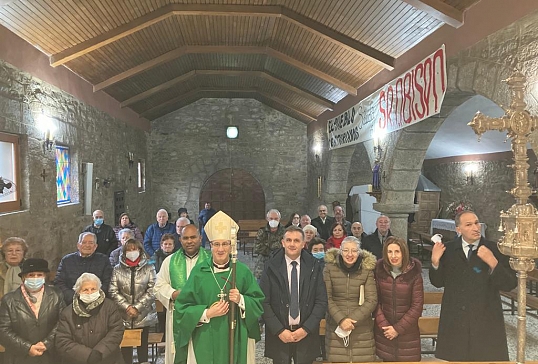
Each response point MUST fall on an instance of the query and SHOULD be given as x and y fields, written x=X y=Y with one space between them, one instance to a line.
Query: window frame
x=13 y=206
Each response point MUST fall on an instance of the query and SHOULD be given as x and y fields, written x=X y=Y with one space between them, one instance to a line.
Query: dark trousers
x=292 y=355
x=142 y=350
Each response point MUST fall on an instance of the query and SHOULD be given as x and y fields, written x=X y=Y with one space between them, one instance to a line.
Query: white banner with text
x=412 y=97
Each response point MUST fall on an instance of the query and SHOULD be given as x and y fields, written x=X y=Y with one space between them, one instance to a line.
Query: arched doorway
x=236 y=192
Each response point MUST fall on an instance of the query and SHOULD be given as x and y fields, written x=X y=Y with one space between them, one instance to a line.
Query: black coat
x=106 y=238
x=373 y=244
x=73 y=265
x=324 y=230
x=20 y=329
x=471 y=327
x=103 y=331
x=312 y=306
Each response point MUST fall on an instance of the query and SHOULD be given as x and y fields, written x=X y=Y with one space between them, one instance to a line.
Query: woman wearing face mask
x=28 y=317
x=338 y=233
x=90 y=330
x=131 y=288
x=401 y=297
x=352 y=296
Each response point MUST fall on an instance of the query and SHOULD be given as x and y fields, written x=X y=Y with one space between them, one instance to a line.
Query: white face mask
x=89 y=297
x=343 y=335
x=273 y=224
x=132 y=255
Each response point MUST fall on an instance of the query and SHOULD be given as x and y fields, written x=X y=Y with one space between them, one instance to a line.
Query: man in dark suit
x=295 y=302
x=374 y=242
x=472 y=271
x=323 y=223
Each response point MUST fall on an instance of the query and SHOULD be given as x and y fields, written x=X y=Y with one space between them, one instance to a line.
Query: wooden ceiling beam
x=350 y=89
x=164 y=12
x=439 y=10
x=239 y=73
x=286 y=104
x=174 y=54
x=352 y=45
x=301 y=92
x=179 y=52
x=191 y=93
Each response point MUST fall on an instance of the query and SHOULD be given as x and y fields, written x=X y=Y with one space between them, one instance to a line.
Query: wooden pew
x=131 y=338
x=427 y=325
x=248 y=230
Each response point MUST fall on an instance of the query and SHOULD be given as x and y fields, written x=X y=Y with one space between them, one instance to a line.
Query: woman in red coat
x=400 y=292
x=338 y=233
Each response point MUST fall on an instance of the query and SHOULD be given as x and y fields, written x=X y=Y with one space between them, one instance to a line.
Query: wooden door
x=236 y=192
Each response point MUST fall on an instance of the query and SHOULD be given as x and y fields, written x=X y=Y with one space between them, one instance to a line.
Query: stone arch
x=236 y=192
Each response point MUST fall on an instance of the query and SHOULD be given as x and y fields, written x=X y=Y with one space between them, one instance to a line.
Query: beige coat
x=343 y=291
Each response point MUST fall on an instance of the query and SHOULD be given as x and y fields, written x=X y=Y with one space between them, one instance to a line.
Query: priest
x=173 y=275
x=201 y=323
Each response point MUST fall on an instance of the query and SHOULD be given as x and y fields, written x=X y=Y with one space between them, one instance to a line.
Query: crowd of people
x=367 y=287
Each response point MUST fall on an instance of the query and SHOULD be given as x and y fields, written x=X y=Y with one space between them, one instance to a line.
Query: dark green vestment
x=210 y=341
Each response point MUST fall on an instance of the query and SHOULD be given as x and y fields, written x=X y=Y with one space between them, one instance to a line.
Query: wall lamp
x=470 y=170
x=232 y=132
x=46 y=125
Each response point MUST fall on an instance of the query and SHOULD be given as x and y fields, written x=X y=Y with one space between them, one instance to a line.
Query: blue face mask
x=34 y=284
x=98 y=222
x=319 y=255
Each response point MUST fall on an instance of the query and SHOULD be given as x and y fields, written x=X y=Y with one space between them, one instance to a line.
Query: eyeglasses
x=218 y=245
x=352 y=251
x=17 y=251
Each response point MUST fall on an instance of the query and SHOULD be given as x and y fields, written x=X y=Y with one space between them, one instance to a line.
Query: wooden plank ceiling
x=298 y=56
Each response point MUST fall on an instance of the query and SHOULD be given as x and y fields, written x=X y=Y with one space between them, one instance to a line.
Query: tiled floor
x=433 y=310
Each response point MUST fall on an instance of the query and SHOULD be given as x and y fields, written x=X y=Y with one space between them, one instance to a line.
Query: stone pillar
x=398 y=214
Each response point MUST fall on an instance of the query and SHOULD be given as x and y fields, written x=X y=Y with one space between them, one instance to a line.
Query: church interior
x=124 y=106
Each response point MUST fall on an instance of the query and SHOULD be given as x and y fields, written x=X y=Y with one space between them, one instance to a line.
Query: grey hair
x=311 y=228
x=351 y=239
x=183 y=219
x=86 y=277
x=129 y=232
x=271 y=211
x=83 y=235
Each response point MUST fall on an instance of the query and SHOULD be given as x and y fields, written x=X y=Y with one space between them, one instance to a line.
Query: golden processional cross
x=520 y=222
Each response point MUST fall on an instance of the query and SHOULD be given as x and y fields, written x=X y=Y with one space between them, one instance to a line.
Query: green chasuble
x=210 y=340
x=178 y=267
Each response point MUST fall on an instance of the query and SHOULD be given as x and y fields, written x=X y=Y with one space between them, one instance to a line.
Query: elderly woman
x=90 y=330
x=132 y=290
x=349 y=277
x=310 y=232
x=400 y=292
x=126 y=223
x=13 y=252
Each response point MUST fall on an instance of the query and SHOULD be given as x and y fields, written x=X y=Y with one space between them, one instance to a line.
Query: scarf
x=178 y=271
x=355 y=267
x=84 y=310
x=132 y=263
x=12 y=281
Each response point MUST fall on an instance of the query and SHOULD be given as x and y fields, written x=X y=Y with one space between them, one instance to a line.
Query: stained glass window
x=63 y=175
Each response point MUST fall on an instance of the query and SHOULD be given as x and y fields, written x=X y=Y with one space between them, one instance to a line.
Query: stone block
x=466 y=75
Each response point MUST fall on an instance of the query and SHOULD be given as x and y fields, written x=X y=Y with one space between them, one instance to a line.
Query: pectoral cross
x=222 y=295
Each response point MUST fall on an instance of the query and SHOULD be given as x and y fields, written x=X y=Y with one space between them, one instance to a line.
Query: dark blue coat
x=312 y=306
x=471 y=327
x=154 y=233
x=73 y=265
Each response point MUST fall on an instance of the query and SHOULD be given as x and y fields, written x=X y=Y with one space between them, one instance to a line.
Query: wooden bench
x=532 y=301
x=429 y=325
x=131 y=338
x=154 y=342
x=248 y=230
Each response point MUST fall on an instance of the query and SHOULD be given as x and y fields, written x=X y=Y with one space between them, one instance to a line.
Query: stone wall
x=92 y=136
x=487 y=193
x=190 y=145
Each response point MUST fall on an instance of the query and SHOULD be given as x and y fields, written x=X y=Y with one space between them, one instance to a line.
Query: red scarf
x=131 y=263
x=335 y=242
